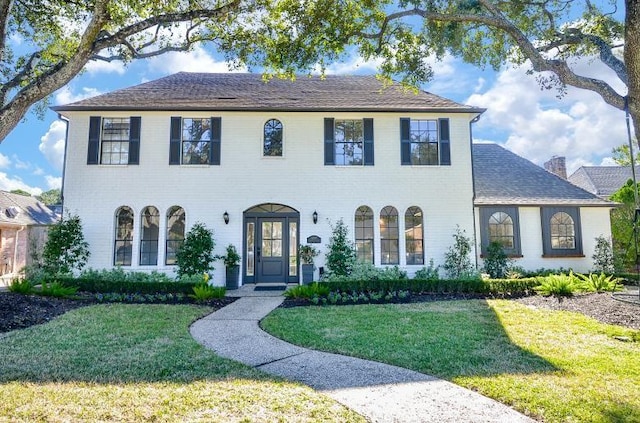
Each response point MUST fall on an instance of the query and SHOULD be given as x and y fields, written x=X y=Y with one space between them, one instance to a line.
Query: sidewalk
x=380 y=392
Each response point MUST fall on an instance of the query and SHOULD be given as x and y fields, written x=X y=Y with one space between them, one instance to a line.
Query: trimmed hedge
x=127 y=287
x=508 y=287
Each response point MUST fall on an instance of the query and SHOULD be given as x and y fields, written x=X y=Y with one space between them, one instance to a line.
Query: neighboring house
x=270 y=166
x=23 y=225
x=602 y=181
x=543 y=220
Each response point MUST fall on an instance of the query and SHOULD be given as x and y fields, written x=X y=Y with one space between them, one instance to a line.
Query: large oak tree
x=292 y=36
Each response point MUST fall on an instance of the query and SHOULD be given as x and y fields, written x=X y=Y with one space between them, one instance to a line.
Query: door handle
x=258 y=254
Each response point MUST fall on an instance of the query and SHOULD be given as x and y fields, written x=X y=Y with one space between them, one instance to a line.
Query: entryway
x=271 y=233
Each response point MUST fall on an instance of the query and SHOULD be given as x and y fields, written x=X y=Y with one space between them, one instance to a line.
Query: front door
x=271 y=250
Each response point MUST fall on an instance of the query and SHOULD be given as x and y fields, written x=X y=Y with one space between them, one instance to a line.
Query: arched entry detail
x=271 y=236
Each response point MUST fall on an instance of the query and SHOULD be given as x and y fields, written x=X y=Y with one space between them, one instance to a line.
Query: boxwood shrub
x=88 y=284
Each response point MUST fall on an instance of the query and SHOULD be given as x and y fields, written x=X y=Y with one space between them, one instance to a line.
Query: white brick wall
x=299 y=179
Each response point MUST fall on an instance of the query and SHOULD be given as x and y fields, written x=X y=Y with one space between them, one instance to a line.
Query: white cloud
x=536 y=125
x=197 y=60
x=52 y=144
x=66 y=96
x=16 y=38
x=100 y=66
x=9 y=183
x=19 y=164
x=38 y=171
x=5 y=162
x=355 y=64
x=53 y=182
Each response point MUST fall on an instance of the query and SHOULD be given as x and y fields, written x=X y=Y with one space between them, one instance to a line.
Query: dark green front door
x=272 y=247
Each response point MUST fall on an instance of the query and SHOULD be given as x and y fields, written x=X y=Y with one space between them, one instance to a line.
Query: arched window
x=124 y=237
x=175 y=233
x=501 y=229
x=149 y=232
x=273 y=138
x=364 y=234
x=414 y=235
x=563 y=235
x=389 y=236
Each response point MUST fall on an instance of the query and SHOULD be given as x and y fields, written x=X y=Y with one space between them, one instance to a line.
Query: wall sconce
x=225 y=216
x=315 y=217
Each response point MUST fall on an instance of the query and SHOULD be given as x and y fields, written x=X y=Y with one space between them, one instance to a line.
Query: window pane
x=196 y=141
x=149 y=237
x=562 y=231
x=389 y=236
x=413 y=236
x=273 y=138
x=114 y=148
x=124 y=237
x=423 y=135
x=293 y=248
x=364 y=234
x=175 y=233
x=250 y=247
x=501 y=229
x=349 y=139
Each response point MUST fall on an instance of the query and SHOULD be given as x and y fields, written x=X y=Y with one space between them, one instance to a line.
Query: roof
x=504 y=178
x=602 y=180
x=250 y=92
x=16 y=209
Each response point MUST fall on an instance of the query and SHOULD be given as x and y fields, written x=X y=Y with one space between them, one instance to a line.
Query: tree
x=457 y=261
x=622 y=155
x=20 y=192
x=51 y=197
x=65 y=249
x=341 y=255
x=196 y=252
x=622 y=219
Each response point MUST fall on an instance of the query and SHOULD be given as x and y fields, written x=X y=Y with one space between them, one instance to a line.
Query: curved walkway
x=380 y=392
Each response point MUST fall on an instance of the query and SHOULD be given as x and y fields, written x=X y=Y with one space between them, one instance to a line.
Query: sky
x=531 y=122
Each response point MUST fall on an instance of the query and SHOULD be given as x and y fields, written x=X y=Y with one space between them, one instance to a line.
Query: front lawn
x=554 y=366
x=139 y=363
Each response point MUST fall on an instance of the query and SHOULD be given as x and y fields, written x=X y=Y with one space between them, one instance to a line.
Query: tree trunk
x=632 y=60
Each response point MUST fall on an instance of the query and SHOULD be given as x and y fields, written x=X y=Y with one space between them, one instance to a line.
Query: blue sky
x=520 y=116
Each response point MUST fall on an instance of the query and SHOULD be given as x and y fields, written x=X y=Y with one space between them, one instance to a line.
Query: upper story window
x=348 y=142
x=561 y=231
x=389 y=236
x=364 y=234
x=123 y=237
x=114 y=141
x=195 y=141
x=425 y=141
x=414 y=235
x=500 y=224
x=272 y=142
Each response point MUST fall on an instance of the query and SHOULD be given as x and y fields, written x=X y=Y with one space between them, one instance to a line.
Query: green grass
x=139 y=363
x=556 y=366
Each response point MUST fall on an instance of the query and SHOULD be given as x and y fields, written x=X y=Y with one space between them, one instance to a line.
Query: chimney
x=557 y=166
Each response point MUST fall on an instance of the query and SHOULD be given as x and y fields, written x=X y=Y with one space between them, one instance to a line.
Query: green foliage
x=307 y=291
x=598 y=283
x=20 y=192
x=622 y=155
x=603 y=261
x=361 y=271
x=196 y=252
x=307 y=253
x=622 y=218
x=496 y=262
x=51 y=197
x=231 y=257
x=341 y=254
x=65 y=250
x=560 y=285
x=430 y=273
x=204 y=292
x=457 y=261
x=118 y=281
x=55 y=289
x=140 y=298
x=21 y=286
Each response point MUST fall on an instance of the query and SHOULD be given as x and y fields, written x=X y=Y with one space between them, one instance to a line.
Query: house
x=23 y=227
x=602 y=181
x=271 y=165
x=542 y=220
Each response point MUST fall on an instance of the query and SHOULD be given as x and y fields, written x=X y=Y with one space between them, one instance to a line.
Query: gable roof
x=249 y=92
x=602 y=181
x=16 y=209
x=504 y=178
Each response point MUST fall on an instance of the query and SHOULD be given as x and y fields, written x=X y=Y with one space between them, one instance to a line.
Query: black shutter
x=93 y=151
x=405 y=141
x=134 y=140
x=216 y=138
x=368 y=141
x=174 y=143
x=445 y=150
x=329 y=154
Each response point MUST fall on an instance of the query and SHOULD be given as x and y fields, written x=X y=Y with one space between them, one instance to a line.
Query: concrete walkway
x=380 y=392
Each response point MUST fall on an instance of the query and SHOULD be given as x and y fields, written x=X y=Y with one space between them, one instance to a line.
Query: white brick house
x=268 y=166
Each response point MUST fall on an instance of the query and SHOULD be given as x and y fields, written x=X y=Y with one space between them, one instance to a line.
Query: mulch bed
x=20 y=311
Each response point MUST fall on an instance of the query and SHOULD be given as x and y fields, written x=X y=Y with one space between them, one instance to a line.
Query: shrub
x=196 y=252
x=307 y=291
x=603 y=256
x=65 y=249
x=56 y=289
x=561 y=285
x=231 y=257
x=598 y=283
x=21 y=286
x=361 y=271
x=341 y=254
x=428 y=273
x=457 y=262
x=203 y=292
x=496 y=262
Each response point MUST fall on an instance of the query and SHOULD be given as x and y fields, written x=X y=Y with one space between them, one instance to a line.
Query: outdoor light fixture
x=225 y=216
x=315 y=217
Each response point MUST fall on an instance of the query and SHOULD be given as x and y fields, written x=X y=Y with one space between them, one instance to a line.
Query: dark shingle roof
x=16 y=209
x=502 y=177
x=602 y=180
x=245 y=91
